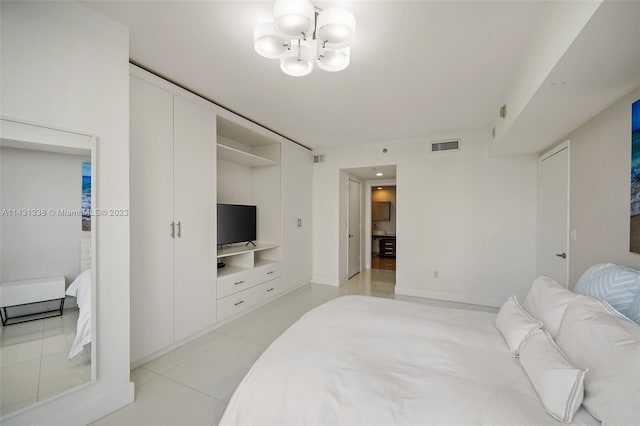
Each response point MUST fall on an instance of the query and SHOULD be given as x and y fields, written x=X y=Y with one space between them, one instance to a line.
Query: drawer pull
x=270 y=289
x=239 y=282
x=270 y=272
x=238 y=303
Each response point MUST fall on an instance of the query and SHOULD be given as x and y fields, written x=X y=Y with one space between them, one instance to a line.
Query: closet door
x=195 y=212
x=296 y=164
x=151 y=177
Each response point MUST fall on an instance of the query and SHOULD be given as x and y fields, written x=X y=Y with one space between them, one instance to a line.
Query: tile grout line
x=40 y=367
x=188 y=387
x=187 y=357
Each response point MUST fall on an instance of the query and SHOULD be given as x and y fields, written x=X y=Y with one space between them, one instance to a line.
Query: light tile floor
x=192 y=384
x=34 y=361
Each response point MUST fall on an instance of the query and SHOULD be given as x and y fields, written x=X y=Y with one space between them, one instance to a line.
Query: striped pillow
x=634 y=311
x=617 y=285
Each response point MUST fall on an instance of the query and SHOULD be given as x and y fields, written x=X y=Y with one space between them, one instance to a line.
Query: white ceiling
x=369 y=173
x=418 y=68
x=601 y=65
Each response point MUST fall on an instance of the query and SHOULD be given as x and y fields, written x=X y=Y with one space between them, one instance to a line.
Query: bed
x=361 y=360
x=80 y=288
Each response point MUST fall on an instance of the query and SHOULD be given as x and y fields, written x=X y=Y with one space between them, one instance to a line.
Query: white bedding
x=81 y=290
x=369 y=361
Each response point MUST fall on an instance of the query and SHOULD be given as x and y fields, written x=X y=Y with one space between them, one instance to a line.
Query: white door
x=354 y=228
x=151 y=157
x=297 y=173
x=554 y=214
x=194 y=139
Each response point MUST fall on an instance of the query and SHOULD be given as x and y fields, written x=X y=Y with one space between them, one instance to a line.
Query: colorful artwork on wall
x=86 y=196
x=634 y=238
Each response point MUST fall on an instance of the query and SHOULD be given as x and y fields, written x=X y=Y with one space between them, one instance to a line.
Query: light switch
x=572 y=235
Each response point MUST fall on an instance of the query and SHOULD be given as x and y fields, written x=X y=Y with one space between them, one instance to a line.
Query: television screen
x=236 y=223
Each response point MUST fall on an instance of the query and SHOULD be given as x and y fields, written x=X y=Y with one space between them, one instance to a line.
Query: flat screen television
x=236 y=223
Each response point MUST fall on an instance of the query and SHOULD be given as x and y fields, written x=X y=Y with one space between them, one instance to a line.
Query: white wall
x=66 y=66
x=234 y=183
x=600 y=189
x=470 y=217
x=40 y=246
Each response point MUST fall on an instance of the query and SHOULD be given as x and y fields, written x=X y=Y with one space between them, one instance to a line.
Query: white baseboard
x=72 y=409
x=326 y=281
x=443 y=295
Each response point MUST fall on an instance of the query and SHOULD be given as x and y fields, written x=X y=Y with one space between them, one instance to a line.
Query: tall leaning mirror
x=47 y=262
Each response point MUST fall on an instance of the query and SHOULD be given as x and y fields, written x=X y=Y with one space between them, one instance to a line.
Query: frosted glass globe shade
x=293 y=18
x=297 y=65
x=268 y=42
x=336 y=27
x=334 y=60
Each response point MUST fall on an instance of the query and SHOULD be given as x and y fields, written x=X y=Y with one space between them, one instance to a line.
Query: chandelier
x=301 y=34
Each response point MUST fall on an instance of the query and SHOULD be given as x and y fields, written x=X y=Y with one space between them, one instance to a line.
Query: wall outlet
x=436 y=274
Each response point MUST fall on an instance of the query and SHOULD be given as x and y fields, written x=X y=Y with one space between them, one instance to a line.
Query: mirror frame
x=16 y=133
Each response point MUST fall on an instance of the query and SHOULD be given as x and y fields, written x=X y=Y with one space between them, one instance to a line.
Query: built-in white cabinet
x=194 y=208
x=250 y=276
x=186 y=155
x=249 y=173
x=297 y=173
x=173 y=187
x=151 y=204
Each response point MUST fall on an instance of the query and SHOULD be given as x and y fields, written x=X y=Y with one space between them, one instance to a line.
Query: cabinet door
x=296 y=166
x=195 y=210
x=381 y=211
x=151 y=203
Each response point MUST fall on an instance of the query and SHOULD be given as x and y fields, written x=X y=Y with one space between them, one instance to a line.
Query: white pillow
x=557 y=381
x=515 y=324
x=547 y=301
x=597 y=337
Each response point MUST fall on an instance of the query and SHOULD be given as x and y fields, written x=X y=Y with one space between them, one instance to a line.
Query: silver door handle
x=562 y=255
x=179 y=230
x=173 y=229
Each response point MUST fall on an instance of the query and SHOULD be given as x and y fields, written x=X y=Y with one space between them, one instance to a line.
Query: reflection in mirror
x=47 y=262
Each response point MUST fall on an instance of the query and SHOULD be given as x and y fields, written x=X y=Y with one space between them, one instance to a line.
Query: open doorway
x=354 y=226
x=383 y=227
x=363 y=268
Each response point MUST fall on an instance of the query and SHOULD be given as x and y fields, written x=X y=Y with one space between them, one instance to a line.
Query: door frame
x=545 y=155
x=366 y=235
x=359 y=182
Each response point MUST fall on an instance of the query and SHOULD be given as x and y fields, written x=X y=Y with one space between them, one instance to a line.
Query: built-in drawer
x=233 y=283
x=266 y=272
x=387 y=248
x=240 y=281
x=272 y=288
x=239 y=302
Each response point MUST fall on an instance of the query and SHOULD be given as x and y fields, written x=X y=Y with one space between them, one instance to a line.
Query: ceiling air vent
x=451 y=145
